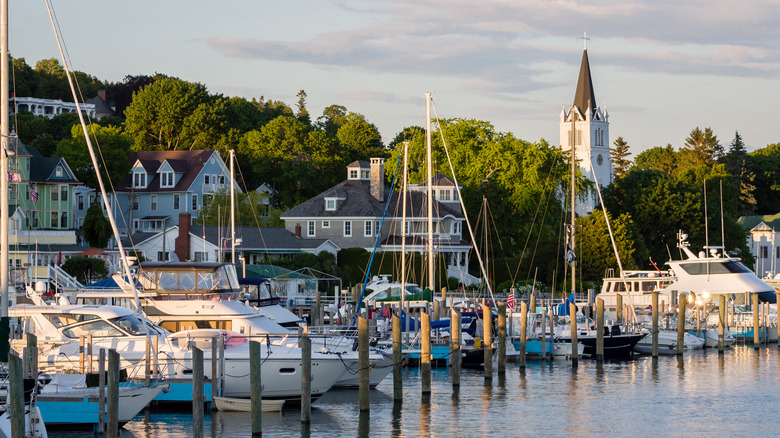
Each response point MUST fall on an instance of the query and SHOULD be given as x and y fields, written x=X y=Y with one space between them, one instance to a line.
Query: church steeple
x=584 y=97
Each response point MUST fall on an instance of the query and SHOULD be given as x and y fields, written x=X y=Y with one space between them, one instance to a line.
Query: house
x=350 y=215
x=162 y=184
x=210 y=243
x=764 y=243
x=102 y=106
x=48 y=108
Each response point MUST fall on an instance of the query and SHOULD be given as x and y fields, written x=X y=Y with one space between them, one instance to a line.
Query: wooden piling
x=721 y=323
x=89 y=353
x=398 y=389
x=305 y=379
x=532 y=303
x=544 y=329
x=487 y=334
x=681 y=324
x=101 y=392
x=255 y=378
x=82 y=353
x=444 y=306
x=655 y=324
x=32 y=359
x=756 y=327
x=575 y=355
x=112 y=392
x=363 y=364
x=197 y=392
x=599 y=329
x=16 y=395
x=214 y=371
x=425 y=354
x=619 y=308
x=455 y=357
x=501 y=337
x=777 y=300
x=317 y=319
x=147 y=362
x=523 y=332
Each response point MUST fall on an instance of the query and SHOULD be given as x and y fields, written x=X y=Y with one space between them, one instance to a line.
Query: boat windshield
x=98 y=329
x=714 y=268
x=130 y=324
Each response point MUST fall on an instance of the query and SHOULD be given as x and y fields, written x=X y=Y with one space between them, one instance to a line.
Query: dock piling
x=501 y=337
x=197 y=392
x=425 y=354
x=101 y=392
x=255 y=380
x=363 y=364
x=398 y=388
x=523 y=332
x=655 y=323
x=487 y=333
x=599 y=329
x=455 y=332
x=112 y=392
x=16 y=394
x=721 y=323
x=305 y=379
x=682 y=302
x=575 y=356
x=756 y=326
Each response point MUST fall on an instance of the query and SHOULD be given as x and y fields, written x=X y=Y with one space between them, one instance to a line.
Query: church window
x=599 y=160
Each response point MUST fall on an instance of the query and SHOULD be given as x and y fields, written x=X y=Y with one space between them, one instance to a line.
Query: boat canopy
x=187 y=278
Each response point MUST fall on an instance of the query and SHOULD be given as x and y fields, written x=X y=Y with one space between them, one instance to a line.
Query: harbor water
x=698 y=394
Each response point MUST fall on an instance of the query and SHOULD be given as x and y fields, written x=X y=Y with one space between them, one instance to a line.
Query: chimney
x=297 y=230
x=182 y=242
x=378 y=179
x=102 y=94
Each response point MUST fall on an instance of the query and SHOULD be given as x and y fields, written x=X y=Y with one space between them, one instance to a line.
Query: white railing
x=62 y=279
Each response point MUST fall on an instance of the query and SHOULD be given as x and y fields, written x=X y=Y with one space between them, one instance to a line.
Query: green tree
x=736 y=160
x=251 y=210
x=96 y=228
x=765 y=164
x=172 y=114
x=111 y=145
x=664 y=159
x=303 y=113
x=620 y=161
x=333 y=117
x=85 y=269
x=596 y=254
x=701 y=147
x=360 y=138
x=122 y=93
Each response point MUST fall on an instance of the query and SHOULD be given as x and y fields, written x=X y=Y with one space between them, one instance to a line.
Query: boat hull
x=245 y=404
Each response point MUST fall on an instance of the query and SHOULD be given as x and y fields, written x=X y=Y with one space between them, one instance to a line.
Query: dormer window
x=139 y=180
x=444 y=195
x=58 y=172
x=330 y=204
x=166 y=179
x=365 y=174
x=353 y=174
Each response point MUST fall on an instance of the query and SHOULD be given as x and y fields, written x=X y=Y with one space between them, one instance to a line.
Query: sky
x=661 y=67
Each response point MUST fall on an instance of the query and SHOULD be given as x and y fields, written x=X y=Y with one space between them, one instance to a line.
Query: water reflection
x=598 y=399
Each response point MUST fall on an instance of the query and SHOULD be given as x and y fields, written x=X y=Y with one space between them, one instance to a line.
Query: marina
x=699 y=393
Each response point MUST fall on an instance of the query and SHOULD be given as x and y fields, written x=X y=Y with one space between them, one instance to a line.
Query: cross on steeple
x=585 y=39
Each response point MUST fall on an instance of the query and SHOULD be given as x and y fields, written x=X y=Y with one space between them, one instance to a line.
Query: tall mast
x=403 y=224
x=232 y=210
x=430 y=189
x=4 y=322
x=573 y=196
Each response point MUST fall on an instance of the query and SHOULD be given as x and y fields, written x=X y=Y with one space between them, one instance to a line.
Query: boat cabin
x=183 y=280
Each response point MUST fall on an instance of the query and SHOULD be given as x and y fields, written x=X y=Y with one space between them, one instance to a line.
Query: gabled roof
x=358 y=202
x=770 y=221
x=42 y=168
x=584 y=91
x=189 y=163
x=271 y=239
x=359 y=163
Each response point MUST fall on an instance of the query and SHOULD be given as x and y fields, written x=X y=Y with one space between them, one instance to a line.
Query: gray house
x=350 y=215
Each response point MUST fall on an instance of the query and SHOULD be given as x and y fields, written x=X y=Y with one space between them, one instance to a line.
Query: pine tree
x=303 y=113
x=620 y=161
x=736 y=164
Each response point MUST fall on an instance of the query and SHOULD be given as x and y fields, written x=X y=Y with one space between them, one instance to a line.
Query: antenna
x=585 y=39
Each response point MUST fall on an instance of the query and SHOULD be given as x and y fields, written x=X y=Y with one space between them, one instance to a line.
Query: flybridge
x=177 y=280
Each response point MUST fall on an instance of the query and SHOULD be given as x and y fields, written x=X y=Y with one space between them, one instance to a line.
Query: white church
x=590 y=125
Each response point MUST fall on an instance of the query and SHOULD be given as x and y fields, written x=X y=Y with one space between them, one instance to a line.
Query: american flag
x=510 y=301
x=33 y=194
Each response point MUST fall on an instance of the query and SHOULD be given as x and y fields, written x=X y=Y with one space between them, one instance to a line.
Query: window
x=162 y=256
x=326 y=224
x=222 y=179
x=64 y=219
x=599 y=160
x=35 y=219
x=365 y=174
x=310 y=229
x=376 y=228
x=367 y=229
x=206 y=179
x=201 y=256
x=153 y=202
x=778 y=252
x=176 y=201
x=139 y=180
x=456 y=228
x=14 y=194
x=353 y=173
x=54 y=218
x=347 y=228
x=167 y=179
x=55 y=195
x=58 y=172
x=455 y=195
x=764 y=252
x=194 y=201
x=81 y=222
x=63 y=193
x=444 y=195
x=136 y=224
x=81 y=202
x=136 y=201
x=330 y=204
